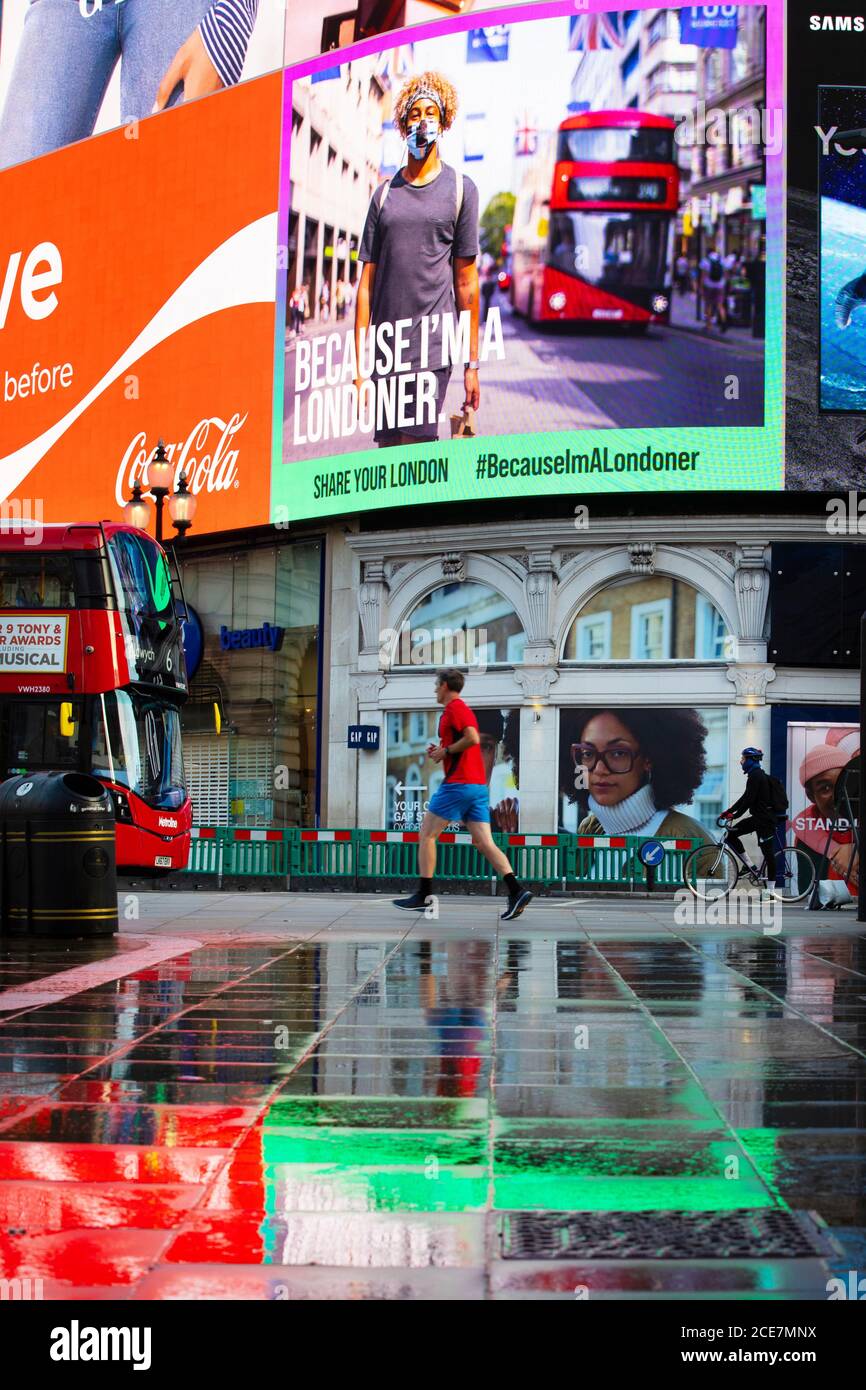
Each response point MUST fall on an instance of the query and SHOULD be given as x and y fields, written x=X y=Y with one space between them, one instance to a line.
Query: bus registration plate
x=162 y=861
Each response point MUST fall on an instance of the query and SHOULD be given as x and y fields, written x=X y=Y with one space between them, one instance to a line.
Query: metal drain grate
x=660 y=1235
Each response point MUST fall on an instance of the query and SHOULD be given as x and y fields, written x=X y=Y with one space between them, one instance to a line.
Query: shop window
x=261 y=770
x=649 y=618
x=419 y=724
x=593 y=637
x=464 y=624
x=713 y=642
x=650 y=630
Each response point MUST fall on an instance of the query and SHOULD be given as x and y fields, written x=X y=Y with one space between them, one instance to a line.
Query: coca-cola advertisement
x=132 y=318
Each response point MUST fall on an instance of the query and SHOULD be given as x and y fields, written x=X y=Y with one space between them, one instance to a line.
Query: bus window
x=618 y=145
x=610 y=250
x=144 y=580
x=34 y=580
x=33 y=737
x=137 y=745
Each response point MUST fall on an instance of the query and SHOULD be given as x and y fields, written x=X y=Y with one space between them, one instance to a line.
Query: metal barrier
x=366 y=856
x=315 y=854
x=615 y=859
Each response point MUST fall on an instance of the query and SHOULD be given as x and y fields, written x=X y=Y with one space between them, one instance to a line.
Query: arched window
x=649 y=618
x=464 y=624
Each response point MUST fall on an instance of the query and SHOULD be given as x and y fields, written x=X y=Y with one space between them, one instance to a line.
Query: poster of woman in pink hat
x=817 y=826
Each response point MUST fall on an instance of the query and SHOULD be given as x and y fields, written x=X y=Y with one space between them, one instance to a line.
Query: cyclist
x=757 y=801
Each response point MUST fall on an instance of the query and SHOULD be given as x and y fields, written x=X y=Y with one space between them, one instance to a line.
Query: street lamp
x=136 y=510
x=181 y=505
x=159 y=472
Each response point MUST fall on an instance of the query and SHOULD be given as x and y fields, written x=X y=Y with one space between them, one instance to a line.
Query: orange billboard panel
x=137 y=288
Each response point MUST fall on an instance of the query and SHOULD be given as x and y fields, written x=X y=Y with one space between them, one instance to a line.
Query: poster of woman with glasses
x=635 y=772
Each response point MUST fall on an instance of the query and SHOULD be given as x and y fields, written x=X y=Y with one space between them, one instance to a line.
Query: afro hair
x=434 y=82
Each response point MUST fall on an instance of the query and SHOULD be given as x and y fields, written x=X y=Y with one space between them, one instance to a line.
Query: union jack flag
x=591 y=31
x=526 y=136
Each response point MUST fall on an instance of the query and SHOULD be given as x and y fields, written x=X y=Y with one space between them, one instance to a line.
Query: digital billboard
x=320 y=26
x=137 y=303
x=73 y=68
x=516 y=256
x=842 y=188
x=825 y=384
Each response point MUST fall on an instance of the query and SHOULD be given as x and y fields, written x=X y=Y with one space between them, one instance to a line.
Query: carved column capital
x=751 y=682
x=535 y=682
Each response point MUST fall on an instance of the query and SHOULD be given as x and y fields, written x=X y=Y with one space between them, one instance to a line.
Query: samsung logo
x=839 y=23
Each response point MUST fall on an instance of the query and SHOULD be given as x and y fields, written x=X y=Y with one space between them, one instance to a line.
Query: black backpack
x=716 y=276
x=776 y=795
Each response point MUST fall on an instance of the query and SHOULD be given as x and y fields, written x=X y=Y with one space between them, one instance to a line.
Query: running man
x=463 y=796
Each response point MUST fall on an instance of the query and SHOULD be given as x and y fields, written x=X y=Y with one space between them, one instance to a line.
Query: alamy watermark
x=745 y=907
x=441 y=646
x=23 y=516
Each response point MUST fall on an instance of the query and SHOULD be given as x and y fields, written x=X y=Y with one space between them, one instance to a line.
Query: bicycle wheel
x=796 y=873
x=710 y=872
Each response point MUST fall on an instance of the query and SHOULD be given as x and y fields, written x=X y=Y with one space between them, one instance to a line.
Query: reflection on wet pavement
x=353 y=1118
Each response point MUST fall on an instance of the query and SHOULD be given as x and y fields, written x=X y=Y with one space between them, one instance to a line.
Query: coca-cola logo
x=206 y=456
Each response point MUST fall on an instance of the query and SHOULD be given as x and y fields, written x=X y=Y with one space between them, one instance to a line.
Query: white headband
x=431 y=95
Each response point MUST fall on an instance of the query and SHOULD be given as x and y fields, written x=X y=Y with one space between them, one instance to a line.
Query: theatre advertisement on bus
x=532 y=258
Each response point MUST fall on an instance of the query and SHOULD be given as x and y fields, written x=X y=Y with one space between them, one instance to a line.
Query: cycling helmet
x=756 y=753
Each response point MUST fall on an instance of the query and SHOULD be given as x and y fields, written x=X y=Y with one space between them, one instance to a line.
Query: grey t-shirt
x=412 y=243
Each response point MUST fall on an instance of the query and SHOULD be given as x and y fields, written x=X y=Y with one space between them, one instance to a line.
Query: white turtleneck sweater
x=636 y=815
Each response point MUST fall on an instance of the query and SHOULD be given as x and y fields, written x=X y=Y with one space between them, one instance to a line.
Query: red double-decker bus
x=92 y=676
x=594 y=221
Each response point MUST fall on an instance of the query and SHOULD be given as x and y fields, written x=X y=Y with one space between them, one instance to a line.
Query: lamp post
x=159 y=471
x=181 y=506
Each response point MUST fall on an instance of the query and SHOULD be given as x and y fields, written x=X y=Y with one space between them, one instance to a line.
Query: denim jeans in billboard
x=65 y=61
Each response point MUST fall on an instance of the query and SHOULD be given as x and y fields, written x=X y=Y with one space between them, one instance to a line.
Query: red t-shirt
x=467 y=766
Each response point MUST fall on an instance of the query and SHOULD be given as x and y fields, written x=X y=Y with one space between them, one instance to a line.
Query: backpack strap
x=386 y=189
x=458 y=195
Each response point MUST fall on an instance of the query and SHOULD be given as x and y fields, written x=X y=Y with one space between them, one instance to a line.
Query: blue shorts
x=461 y=801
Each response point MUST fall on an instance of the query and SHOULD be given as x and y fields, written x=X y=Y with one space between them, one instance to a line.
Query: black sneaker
x=516 y=904
x=416 y=903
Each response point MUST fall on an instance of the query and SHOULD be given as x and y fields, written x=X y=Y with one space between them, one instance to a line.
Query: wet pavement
x=267 y=1096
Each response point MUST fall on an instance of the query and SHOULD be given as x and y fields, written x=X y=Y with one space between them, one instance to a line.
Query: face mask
x=420 y=136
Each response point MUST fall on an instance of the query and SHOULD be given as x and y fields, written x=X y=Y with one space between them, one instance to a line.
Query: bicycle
x=713 y=871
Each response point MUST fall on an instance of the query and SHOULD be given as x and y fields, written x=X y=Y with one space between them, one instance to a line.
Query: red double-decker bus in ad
x=92 y=676
x=594 y=221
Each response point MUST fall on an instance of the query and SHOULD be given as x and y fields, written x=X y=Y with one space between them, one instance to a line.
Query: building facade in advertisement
x=147 y=315
x=439 y=296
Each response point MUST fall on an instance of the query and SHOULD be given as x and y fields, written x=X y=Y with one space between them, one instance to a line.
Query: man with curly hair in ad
x=419 y=250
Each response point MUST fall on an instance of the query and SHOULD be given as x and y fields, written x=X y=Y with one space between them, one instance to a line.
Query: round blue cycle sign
x=651 y=852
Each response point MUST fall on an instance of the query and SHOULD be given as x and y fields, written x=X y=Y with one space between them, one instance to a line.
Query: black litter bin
x=58 y=869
